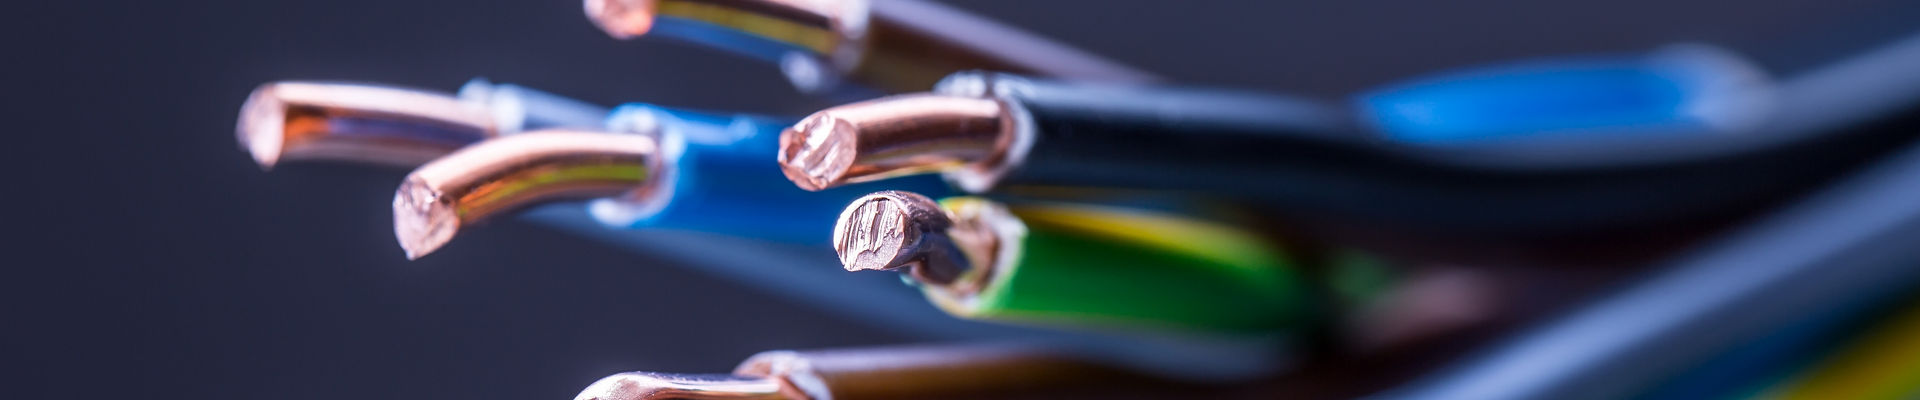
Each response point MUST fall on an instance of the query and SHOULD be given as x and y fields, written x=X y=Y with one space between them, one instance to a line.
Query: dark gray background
x=150 y=259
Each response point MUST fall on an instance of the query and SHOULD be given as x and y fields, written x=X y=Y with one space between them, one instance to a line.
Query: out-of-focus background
x=147 y=257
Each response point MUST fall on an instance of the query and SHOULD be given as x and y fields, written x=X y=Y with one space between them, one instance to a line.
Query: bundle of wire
x=718 y=162
x=712 y=165
x=1538 y=147
x=651 y=168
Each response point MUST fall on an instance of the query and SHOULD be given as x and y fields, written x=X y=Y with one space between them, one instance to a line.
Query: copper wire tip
x=883 y=231
x=423 y=220
x=895 y=230
x=506 y=174
x=816 y=152
x=312 y=120
x=622 y=19
x=648 y=386
x=894 y=136
x=261 y=128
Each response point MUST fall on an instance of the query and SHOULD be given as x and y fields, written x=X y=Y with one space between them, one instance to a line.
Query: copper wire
x=893 y=136
x=508 y=173
x=903 y=372
x=652 y=386
x=621 y=19
x=356 y=122
x=896 y=230
x=954 y=253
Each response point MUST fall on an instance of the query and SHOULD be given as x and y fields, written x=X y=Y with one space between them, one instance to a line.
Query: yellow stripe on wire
x=1220 y=243
x=818 y=40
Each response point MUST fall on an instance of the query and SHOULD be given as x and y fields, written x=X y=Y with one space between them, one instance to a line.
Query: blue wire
x=725 y=180
x=1663 y=92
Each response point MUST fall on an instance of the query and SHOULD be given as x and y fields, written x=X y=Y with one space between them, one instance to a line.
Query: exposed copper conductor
x=622 y=19
x=895 y=230
x=894 y=136
x=509 y=173
x=310 y=120
x=651 y=386
x=898 y=230
x=919 y=372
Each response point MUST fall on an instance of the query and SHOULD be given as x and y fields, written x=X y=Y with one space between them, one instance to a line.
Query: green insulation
x=1087 y=265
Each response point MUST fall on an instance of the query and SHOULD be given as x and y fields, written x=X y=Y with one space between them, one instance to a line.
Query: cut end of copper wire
x=506 y=174
x=622 y=19
x=894 y=136
x=889 y=230
x=261 y=127
x=649 y=386
x=422 y=219
x=817 y=152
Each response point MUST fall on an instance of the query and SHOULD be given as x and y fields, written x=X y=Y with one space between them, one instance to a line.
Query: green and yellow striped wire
x=1109 y=266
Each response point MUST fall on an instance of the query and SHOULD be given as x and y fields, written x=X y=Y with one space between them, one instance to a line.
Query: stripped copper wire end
x=510 y=173
x=904 y=231
x=889 y=230
x=895 y=136
x=622 y=19
x=356 y=122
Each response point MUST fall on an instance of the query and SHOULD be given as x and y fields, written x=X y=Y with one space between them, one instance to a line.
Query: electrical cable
x=585 y=165
x=1103 y=269
x=391 y=125
x=986 y=130
x=885 y=46
x=882 y=302
x=511 y=173
x=1840 y=244
x=1074 y=265
x=365 y=123
x=913 y=372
